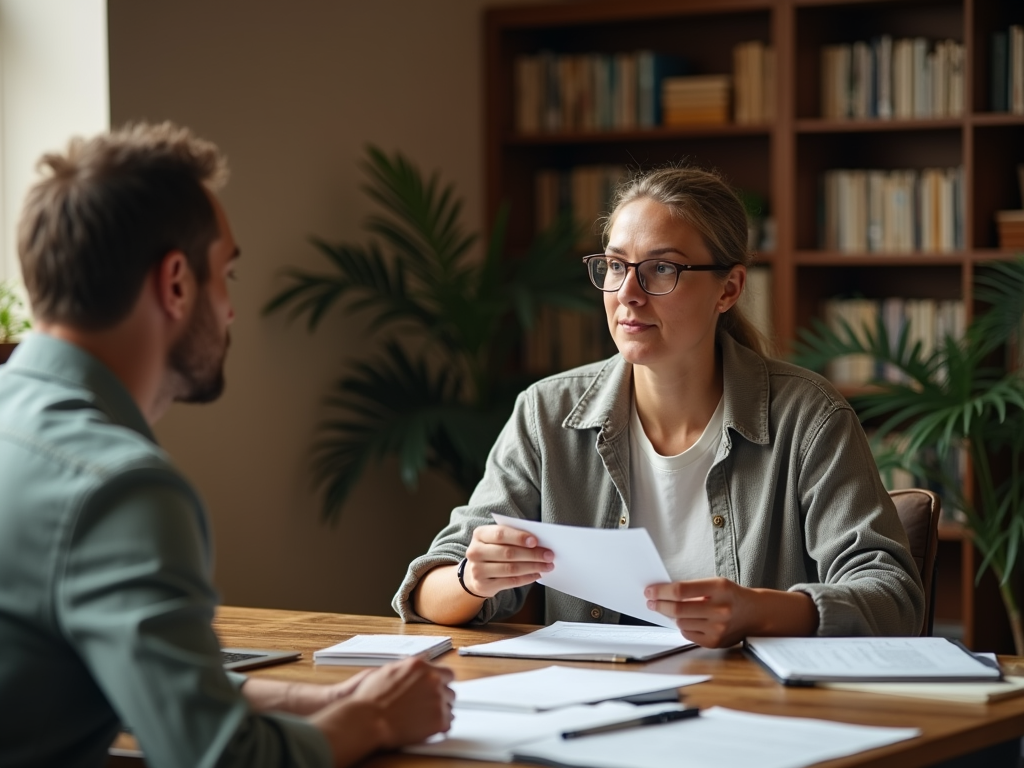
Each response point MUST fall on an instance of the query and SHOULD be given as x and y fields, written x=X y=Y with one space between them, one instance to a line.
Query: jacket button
x=622 y=520
x=718 y=521
x=595 y=613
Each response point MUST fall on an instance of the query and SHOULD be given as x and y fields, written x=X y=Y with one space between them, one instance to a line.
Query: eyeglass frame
x=680 y=268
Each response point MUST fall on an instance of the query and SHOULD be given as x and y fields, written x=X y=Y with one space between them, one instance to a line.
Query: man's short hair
x=107 y=211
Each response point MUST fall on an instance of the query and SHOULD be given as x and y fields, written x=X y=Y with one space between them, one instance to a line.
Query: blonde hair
x=703 y=200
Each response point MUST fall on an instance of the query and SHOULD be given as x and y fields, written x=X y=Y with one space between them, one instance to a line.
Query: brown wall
x=293 y=92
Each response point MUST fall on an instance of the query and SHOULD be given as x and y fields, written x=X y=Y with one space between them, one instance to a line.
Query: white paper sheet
x=374 y=650
x=492 y=735
x=840 y=659
x=554 y=687
x=578 y=641
x=719 y=738
x=610 y=567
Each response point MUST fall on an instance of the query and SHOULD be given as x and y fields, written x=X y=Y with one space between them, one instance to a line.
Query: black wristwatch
x=462 y=580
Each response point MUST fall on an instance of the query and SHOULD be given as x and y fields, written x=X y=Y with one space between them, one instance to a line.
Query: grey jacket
x=794 y=493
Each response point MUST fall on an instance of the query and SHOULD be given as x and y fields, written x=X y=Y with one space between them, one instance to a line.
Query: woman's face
x=677 y=328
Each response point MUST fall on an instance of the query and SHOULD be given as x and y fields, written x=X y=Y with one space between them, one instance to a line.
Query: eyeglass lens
x=655 y=276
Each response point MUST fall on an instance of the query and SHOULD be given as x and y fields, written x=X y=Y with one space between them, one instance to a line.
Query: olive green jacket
x=105 y=595
x=794 y=493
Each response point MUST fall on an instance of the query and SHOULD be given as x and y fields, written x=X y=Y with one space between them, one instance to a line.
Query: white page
x=491 y=735
x=719 y=738
x=607 y=566
x=868 y=658
x=554 y=687
x=594 y=642
x=383 y=645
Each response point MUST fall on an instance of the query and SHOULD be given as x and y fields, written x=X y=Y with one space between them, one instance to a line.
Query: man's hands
x=500 y=558
x=717 y=613
x=388 y=707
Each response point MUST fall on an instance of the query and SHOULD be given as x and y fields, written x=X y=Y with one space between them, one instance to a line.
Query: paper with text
x=840 y=659
x=719 y=738
x=610 y=567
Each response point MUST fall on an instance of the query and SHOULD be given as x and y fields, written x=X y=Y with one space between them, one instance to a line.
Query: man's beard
x=197 y=359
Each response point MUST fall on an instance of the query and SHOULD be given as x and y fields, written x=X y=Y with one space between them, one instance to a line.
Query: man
x=105 y=595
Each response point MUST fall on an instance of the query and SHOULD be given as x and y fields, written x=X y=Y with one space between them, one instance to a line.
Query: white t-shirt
x=669 y=498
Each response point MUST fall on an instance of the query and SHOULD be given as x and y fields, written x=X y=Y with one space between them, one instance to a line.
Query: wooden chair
x=919 y=511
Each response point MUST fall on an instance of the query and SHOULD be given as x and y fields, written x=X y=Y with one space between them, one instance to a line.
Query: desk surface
x=948 y=729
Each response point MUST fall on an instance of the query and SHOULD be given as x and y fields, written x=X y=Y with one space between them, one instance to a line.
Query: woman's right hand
x=500 y=558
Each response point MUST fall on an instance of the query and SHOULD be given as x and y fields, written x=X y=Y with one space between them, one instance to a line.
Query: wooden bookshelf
x=783 y=161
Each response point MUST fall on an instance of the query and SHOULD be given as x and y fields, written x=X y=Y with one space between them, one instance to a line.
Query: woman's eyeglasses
x=656 y=276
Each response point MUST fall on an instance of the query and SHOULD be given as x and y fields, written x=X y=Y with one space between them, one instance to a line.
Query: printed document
x=607 y=566
x=804 y=660
x=719 y=738
x=582 y=641
x=554 y=687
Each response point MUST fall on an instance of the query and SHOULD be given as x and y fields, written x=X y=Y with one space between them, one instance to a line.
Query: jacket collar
x=606 y=403
x=51 y=359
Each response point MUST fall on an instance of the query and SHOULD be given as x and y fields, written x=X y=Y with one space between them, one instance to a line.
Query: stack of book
x=699 y=99
x=754 y=78
x=874 y=211
x=1011 y=229
x=887 y=78
x=590 y=91
x=1007 y=83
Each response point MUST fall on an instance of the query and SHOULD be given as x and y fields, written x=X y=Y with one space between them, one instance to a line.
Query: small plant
x=955 y=398
x=438 y=397
x=13 y=319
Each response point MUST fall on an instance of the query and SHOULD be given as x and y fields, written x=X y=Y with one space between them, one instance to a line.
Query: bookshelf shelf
x=859 y=126
x=783 y=161
x=655 y=134
x=835 y=258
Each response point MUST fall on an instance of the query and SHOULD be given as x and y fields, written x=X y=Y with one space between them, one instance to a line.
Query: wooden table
x=948 y=729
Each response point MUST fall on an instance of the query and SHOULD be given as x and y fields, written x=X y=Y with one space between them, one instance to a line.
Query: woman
x=753 y=476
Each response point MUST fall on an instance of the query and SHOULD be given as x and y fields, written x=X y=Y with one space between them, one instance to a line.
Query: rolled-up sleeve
x=868 y=582
x=137 y=602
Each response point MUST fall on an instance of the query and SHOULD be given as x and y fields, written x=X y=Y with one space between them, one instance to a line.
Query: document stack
x=377 y=650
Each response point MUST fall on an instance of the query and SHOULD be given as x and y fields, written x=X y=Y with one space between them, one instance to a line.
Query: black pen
x=656 y=719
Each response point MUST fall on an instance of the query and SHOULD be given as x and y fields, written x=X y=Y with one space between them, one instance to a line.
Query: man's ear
x=175 y=285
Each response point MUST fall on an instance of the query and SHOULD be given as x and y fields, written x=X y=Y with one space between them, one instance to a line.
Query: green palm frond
x=423 y=217
x=387 y=406
x=363 y=275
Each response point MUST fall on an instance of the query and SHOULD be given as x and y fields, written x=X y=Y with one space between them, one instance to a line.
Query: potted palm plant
x=956 y=397
x=442 y=384
x=13 y=322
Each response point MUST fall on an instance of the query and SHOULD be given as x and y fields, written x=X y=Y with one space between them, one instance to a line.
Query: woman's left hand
x=718 y=613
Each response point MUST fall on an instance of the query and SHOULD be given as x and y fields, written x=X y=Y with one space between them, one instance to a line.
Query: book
x=579 y=641
x=958 y=693
x=1000 y=70
x=810 y=660
x=377 y=650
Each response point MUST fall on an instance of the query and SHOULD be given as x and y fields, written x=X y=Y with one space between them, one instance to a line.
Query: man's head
x=107 y=211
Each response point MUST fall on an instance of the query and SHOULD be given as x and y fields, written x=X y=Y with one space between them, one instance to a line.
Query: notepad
x=553 y=687
x=809 y=660
x=375 y=650
x=580 y=641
